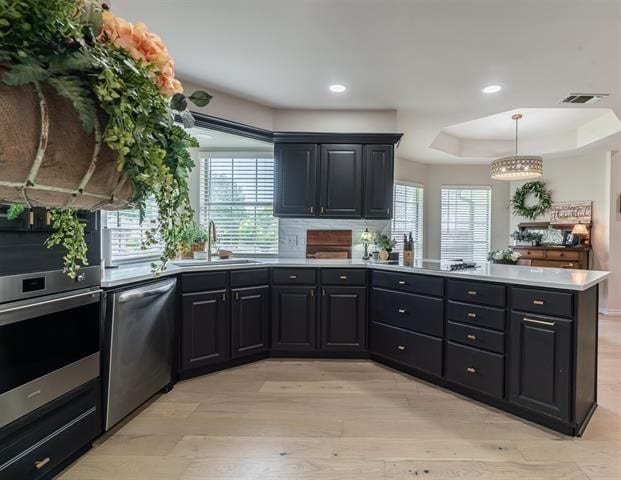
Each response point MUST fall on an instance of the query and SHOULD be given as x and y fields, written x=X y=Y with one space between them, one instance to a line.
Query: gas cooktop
x=443 y=265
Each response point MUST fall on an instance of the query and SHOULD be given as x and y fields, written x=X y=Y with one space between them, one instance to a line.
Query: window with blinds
x=407 y=215
x=236 y=192
x=465 y=223
x=124 y=234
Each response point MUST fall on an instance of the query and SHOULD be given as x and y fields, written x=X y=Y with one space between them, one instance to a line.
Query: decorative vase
x=48 y=160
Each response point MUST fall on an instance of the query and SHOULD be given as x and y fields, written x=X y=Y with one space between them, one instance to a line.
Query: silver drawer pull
x=538 y=302
x=471 y=370
x=343 y=277
x=293 y=277
x=401 y=310
x=540 y=322
x=472 y=292
x=39 y=464
x=471 y=337
x=472 y=315
x=401 y=347
x=402 y=282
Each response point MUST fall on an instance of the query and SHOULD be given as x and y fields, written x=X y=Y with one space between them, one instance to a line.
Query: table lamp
x=366 y=237
x=579 y=230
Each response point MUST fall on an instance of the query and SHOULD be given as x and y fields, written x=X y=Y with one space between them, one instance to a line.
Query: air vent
x=584 y=97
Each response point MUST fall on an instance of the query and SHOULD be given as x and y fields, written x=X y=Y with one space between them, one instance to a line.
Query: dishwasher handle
x=138 y=294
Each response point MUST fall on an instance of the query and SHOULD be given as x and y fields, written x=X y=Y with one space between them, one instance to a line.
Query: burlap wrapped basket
x=46 y=158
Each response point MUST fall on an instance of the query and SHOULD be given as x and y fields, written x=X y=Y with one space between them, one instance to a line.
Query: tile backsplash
x=292 y=233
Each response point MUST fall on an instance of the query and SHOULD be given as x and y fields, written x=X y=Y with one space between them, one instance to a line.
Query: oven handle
x=140 y=294
x=19 y=312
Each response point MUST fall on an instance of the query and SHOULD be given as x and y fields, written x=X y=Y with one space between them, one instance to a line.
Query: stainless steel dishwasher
x=139 y=331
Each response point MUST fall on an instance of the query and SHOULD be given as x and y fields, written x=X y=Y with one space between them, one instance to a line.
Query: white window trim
x=419 y=254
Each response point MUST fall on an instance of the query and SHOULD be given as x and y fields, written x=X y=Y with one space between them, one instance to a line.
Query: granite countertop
x=560 y=278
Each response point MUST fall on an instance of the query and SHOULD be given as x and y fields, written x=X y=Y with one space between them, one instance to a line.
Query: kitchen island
x=522 y=339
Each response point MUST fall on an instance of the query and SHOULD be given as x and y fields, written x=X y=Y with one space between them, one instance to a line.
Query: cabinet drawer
x=541 y=301
x=476 y=337
x=405 y=310
x=341 y=276
x=475 y=369
x=247 y=278
x=531 y=253
x=294 y=276
x=486 y=317
x=483 y=293
x=562 y=255
x=201 y=282
x=407 y=282
x=409 y=348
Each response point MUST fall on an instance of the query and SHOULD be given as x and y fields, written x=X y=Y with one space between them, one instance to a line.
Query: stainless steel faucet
x=211 y=227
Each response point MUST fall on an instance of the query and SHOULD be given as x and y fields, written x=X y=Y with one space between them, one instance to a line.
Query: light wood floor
x=350 y=420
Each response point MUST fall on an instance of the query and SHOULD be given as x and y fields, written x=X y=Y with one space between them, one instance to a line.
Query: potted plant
x=193 y=239
x=385 y=245
x=504 y=256
x=527 y=236
x=102 y=93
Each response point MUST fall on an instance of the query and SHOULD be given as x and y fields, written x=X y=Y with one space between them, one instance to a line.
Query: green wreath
x=538 y=189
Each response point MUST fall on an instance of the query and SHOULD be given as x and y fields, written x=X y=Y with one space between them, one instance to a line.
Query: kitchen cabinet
x=343 y=318
x=295 y=180
x=540 y=372
x=249 y=321
x=379 y=181
x=204 y=329
x=294 y=324
x=340 y=181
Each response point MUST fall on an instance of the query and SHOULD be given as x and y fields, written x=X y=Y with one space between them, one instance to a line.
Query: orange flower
x=142 y=46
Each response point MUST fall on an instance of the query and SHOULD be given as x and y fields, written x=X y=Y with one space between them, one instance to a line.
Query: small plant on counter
x=193 y=239
x=384 y=242
x=505 y=255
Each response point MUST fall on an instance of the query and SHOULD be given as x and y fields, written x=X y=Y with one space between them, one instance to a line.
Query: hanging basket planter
x=48 y=160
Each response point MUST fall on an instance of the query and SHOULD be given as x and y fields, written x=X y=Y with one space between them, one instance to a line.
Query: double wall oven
x=49 y=346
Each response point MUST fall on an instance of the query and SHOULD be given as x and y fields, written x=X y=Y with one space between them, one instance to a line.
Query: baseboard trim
x=610 y=313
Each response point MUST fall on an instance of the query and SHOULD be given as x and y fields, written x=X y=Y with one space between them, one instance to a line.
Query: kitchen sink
x=213 y=263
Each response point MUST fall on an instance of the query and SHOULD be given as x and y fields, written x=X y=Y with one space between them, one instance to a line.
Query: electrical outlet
x=292 y=241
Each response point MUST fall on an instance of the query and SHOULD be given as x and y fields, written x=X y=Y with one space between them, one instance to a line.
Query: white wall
x=611 y=301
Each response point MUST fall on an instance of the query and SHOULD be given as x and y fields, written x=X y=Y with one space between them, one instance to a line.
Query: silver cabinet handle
x=311 y=209
x=540 y=322
x=471 y=337
x=472 y=292
x=401 y=310
x=472 y=315
x=343 y=277
x=401 y=347
x=402 y=282
x=538 y=302
x=39 y=464
x=293 y=277
x=471 y=370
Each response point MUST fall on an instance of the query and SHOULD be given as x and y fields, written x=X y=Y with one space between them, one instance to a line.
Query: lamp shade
x=579 y=229
x=520 y=167
x=366 y=236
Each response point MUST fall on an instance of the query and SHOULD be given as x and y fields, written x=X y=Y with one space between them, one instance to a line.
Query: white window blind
x=465 y=224
x=407 y=215
x=124 y=234
x=236 y=192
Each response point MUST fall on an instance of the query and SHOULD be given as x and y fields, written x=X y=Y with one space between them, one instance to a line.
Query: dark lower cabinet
x=249 y=321
x=294 y=325
x=540 y=364
x=204 y=329
x=343 y=318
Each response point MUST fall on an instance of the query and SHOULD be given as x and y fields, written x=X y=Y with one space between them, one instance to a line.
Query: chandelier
x=517 y=167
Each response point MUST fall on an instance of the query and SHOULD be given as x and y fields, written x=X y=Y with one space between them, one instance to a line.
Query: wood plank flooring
x=295 y=419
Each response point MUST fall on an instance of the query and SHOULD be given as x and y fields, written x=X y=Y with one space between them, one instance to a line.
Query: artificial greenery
x=15 y=211
x=538 y=189
x=69 y=232
x=527 y=236
x=505 y=255
x=102 y=63
x=194 y=233
x=384 y=242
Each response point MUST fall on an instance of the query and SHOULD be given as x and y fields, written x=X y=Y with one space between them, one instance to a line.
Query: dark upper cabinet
x=340 y=181
x=343 y=318
x=379 y=180
x=294 y=318
x=540 y=363
x=204 y=329
x=249 y=321
x=295 y=179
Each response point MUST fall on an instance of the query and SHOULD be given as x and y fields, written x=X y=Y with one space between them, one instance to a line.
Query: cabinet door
x=249 y=321
x=343 y=318
x=341 y=181
x=204 y=325
x=379 y=180
x=295 y=180
x=294 y=323
x=540 y=363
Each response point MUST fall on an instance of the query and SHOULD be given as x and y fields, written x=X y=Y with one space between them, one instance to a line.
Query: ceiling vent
x=584 y=98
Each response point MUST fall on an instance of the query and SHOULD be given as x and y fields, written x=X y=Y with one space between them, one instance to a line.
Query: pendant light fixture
x=517 y=167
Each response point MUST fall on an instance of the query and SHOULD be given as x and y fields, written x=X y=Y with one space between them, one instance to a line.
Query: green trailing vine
x=15 y=211
x=543 y=196
x=102 y=63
